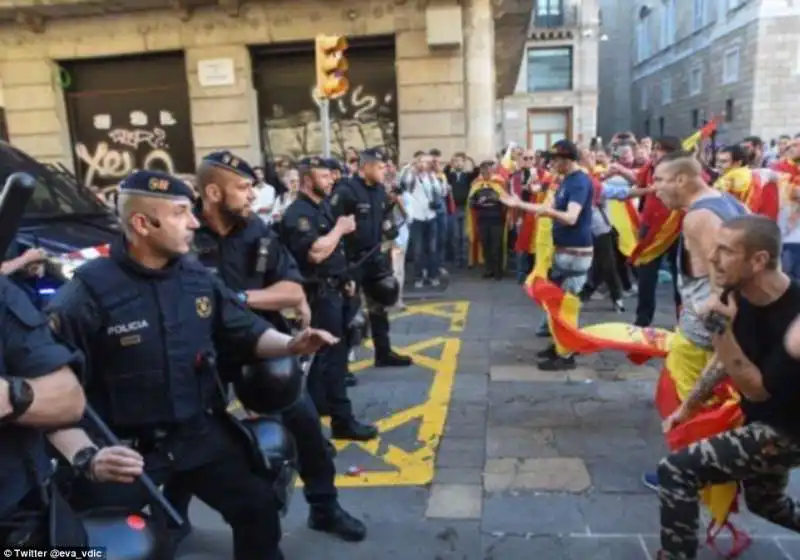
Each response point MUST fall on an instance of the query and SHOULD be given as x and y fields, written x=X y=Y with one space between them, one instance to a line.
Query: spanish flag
x=660 y=236
x=744 y=185
x=625 y=218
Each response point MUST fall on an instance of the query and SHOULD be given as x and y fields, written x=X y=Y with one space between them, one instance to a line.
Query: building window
x=696 y=80
x=642 y=39
x=549 y=13
x=700 y=14
x=647 y=127
x=661 y=126
x=666 y=90
x=729 y=110
x=730 y=66
x=667 y=24
x=643 y=99
x=550 y=69
x=695 y=118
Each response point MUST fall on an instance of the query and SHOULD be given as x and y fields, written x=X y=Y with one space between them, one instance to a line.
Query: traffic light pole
x=325 y=122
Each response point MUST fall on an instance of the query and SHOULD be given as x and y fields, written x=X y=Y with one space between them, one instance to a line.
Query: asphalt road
x=484 y=457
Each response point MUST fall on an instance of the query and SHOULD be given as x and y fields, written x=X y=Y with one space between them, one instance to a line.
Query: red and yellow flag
x=658 y=239
x=744 y=185
x=471 y=220
x=625 y=218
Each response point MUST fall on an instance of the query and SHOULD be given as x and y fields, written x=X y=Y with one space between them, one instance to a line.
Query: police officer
x=364 y=197
x=315 y=239
x=248 y=257
x=150 y=321
x=38 y=390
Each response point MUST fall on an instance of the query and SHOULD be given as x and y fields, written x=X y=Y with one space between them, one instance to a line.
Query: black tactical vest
x=156 y=332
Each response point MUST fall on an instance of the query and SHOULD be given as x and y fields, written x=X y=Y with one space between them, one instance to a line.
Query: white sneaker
x=436 y=283
x=351 y=357
x=419 y=284
x=443 y=271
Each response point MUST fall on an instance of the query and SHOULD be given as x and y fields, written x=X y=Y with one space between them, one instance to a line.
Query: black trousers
x=211 y=464
x=648 y=283
x=604 y=267
x=624 y=271
x=327 y=378
x=492 y=243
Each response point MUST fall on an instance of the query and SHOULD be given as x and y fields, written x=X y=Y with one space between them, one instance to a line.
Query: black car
x=63 y=217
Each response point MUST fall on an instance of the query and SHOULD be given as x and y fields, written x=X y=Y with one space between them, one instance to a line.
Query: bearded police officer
x=315 y=239
x=38 y=390
x=151 y=321
x=364 y=197
x=248 y=257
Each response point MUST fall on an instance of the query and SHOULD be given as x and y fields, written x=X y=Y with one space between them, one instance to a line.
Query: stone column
x=480 y=78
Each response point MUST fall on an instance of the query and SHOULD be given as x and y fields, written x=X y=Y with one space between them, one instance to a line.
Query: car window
x=56 y=194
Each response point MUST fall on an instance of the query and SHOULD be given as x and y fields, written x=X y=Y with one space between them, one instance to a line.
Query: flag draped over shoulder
x=625 y=219
x=743 y=184
x=471 y=225
x=660 y=236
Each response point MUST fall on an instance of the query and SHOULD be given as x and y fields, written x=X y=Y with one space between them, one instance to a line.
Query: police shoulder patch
x=203 y=307
x=303 y=224
x=334 y=199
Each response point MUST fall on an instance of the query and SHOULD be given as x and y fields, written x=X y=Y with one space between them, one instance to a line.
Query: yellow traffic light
x=331 y=66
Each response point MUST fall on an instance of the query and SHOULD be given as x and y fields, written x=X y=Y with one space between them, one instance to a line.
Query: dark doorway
x=128 y=113
x=366 y=117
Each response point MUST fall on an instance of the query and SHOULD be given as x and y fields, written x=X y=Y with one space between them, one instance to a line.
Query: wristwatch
x=82 y=461
x=20 y=396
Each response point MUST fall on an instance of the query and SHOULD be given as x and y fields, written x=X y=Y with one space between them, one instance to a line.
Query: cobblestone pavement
x=527 y=465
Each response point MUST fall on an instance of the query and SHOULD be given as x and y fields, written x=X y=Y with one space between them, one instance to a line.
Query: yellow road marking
x=417 y=467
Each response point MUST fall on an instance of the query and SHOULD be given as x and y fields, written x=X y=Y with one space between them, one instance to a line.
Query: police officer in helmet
x=38 y=390
x=150 y=321
x=364 y=197
x=248 y=257
x=310 y=232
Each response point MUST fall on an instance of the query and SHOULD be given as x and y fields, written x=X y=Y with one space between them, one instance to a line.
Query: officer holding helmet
x=151 y=321
x=310 y=232
x=248 y=257
x=364 y=197
x=38 y=390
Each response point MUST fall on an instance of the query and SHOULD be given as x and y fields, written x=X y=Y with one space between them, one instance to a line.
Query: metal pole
x=325 y=122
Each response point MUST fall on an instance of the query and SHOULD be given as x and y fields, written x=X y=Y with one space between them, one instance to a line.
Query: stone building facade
x=105 y=92
x=556 y=92
x=738 y=60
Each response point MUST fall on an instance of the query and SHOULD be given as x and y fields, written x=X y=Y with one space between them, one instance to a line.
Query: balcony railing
x=554 y=14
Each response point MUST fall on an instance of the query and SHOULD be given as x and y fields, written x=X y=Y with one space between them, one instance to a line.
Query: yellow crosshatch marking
x=415 y=467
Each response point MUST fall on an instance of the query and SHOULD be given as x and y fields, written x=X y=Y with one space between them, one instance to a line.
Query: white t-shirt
x=264 y=202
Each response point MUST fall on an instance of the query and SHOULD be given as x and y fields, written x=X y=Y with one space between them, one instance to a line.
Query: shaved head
x=209 y=174
x=678 y=178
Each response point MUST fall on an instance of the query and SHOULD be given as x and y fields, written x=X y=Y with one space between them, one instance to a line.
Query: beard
x=232 y=215
x=319 y=191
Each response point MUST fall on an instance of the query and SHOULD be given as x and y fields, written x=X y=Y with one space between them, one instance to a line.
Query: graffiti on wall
x=115 y=135
x=359 y=119
x=365 y=117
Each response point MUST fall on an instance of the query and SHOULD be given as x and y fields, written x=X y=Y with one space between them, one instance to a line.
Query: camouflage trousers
x=756 y=455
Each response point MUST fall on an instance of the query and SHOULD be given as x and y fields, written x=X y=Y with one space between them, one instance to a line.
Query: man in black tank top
x=748 y=324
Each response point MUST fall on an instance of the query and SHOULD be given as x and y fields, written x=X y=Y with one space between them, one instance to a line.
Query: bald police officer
x=150 y=321
x=248 y=257
x=38 y=390
x=364 y=197
x=310 y=232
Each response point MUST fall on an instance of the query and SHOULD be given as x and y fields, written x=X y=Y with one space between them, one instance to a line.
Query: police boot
x=353 y=430
x=392 y=359
x=336 y=521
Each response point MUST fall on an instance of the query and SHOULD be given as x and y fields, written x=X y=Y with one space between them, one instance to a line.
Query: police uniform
x=150 y=337
x=28 y=351
x=370 y=205
x=251 y=257
x=303 y=223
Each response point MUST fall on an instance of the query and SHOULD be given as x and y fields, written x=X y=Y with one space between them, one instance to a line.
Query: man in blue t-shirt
x=571 y=213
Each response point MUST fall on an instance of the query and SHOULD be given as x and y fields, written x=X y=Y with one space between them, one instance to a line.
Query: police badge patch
x=334 y=199
x=303 y=224
x=203 y=307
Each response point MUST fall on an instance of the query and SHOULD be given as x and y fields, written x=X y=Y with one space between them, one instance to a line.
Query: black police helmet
x=270 y=386
x=383 y=290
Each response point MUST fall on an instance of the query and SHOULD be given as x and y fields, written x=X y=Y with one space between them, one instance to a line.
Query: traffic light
x=331 y=66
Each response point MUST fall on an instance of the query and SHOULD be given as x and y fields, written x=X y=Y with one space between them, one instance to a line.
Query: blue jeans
x=458 y=237
x=423 y=238
x=790 y=260
x=442 y=236
x=524 y=266
x=569 y=272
